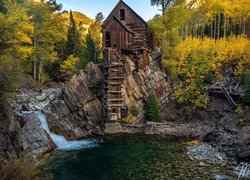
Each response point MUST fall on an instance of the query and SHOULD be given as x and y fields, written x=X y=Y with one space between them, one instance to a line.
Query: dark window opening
x=114 y=111
x=108 y=39
x=115 y=46
x=122 y=14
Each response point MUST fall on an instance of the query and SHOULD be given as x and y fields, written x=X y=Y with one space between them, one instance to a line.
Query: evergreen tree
x=163 y=3
x=152 y=109
x=99 y=17
x=54 y=5
x=73 y=45
x=48 y=30
x=89 y=52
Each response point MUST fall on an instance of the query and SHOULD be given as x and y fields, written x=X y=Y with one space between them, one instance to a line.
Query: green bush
x=247 y=87
x=152 y=109
x=95 y=84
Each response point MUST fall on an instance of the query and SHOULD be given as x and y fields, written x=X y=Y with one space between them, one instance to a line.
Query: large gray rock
x=118 y=128
x=205 y=152
x=36 y=101
x=138 y=85
x=79 y=112
x=32 y=138
x=73 y=111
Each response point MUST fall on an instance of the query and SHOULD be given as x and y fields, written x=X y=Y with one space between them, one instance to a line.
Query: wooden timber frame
x=125 y=33
x=113 y=72
x=124 y=29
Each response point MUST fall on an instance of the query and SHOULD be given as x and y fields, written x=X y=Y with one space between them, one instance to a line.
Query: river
x=131 y=157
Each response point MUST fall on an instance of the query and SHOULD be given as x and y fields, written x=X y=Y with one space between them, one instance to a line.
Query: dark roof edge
x=121 y=1
x=134 y=12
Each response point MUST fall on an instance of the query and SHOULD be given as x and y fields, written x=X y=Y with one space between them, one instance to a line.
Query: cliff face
x=76 y=111
x=139 y=84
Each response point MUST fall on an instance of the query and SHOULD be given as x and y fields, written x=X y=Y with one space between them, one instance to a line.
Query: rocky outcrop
x=78 y=112
x=218 y=125
x=139 y=83
x=194 y=130
x=118 y=128
x=74 y=111
x=32 y=139
x=206 y=152
x=35 y=101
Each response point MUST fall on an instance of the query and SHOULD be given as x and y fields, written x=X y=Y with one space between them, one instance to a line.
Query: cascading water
x=60 y=141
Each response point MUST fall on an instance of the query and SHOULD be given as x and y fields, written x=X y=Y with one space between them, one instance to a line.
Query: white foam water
x=60 y=141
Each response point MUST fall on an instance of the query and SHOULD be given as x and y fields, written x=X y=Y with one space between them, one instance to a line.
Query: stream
x=126 y=157
x=132 y=157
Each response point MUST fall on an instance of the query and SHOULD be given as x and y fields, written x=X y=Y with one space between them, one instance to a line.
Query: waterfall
x=60 y=141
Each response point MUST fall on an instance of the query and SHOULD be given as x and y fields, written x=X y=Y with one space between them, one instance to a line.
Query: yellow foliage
x=128 y=119
x=199 y=62
x=69 y=66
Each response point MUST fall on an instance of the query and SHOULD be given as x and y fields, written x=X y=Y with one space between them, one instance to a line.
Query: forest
x=199 y=41
x=196 y=44
x=38 y=39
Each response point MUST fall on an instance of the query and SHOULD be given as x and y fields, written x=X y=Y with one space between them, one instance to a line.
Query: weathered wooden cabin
x=124 y=33
x=124 y=29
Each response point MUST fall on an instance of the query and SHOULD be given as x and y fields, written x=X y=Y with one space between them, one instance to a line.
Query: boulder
x=78 y=113
x=138 y=85
x=206 y=152
x=32 y=138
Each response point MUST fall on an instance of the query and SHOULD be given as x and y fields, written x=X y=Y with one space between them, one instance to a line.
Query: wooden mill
x=124 y=33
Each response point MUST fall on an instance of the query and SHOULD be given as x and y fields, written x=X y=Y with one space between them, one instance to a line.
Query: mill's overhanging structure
x=124 y=29
x=124 y=33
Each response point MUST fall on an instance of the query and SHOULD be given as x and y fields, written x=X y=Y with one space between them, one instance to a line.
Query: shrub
x=152 y=109
x=69 y=67
x=95 y=84
x=134 y=111
x=128 y=119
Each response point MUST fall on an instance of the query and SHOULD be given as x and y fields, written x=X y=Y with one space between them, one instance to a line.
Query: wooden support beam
x=115 y=92
x=115 y=100
x=229 y=98
x=115 y=78
x=115 y=105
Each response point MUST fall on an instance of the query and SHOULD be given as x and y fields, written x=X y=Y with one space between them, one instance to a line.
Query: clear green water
x=128 y=157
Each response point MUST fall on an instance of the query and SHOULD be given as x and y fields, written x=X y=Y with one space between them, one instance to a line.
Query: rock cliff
x=76 y=111
x=139 y=84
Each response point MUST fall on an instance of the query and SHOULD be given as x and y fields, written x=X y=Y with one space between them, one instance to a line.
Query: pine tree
x=152 y=109
x=48 y=31
x=89 y=52
x=163 y=3
x=73 y=45
x=99 y=17
x=54 y=5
